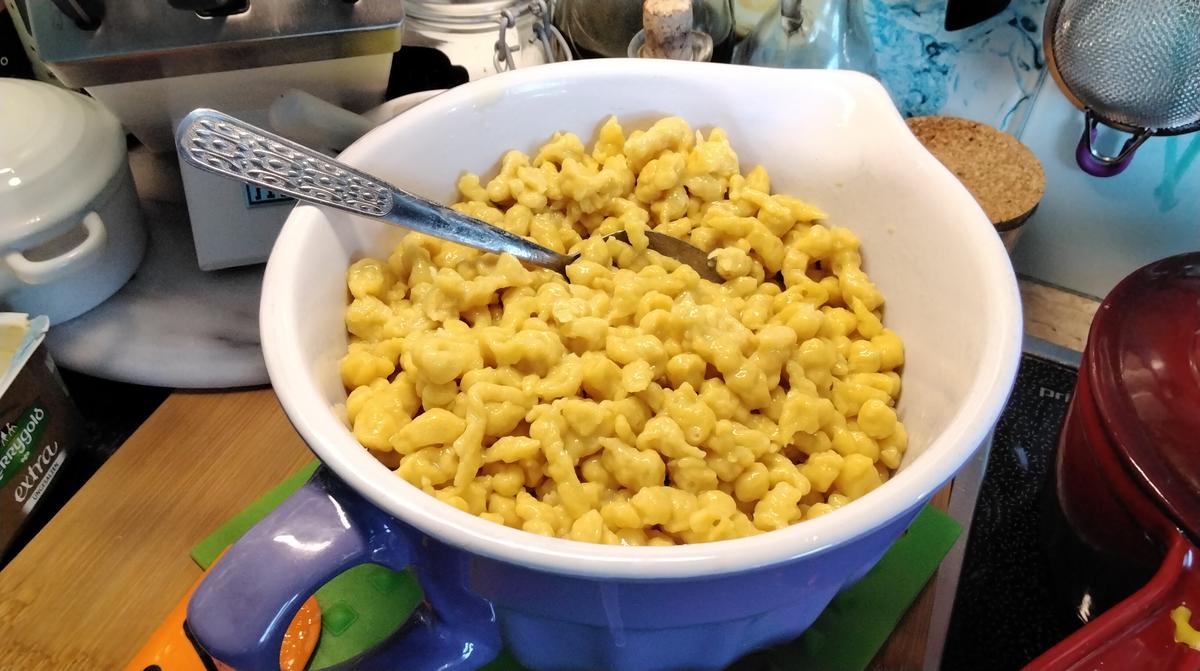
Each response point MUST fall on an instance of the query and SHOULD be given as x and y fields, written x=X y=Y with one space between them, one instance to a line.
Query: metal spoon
x=220 y=144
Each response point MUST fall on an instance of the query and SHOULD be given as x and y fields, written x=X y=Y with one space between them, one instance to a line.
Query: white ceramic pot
x=832 y=138
x=71 y=231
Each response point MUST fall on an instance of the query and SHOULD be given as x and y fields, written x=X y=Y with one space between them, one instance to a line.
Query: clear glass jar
x=486 y=36
x=606 y=27
x=824 y=34
x=702 y=46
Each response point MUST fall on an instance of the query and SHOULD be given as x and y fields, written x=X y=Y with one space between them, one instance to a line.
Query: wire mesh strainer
x=1133 y=65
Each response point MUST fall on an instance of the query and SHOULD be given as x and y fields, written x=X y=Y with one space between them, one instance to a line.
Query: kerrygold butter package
x=39 y=425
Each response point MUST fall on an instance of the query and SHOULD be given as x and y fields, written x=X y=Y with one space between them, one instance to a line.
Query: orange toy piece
x=172 y=648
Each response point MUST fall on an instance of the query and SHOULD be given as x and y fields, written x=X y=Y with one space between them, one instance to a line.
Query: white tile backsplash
x=1089 y=232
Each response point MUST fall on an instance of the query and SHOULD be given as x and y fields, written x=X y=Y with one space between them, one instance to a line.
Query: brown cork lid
x=1003 y=174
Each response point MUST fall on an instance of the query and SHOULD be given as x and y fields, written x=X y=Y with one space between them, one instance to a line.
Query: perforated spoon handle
x=218 y=143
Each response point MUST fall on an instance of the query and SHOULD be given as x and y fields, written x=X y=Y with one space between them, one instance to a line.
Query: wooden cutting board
x=87 y=591
x=91 y=587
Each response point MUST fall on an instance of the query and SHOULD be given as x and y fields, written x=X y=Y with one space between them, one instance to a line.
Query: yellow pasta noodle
x=633 y=403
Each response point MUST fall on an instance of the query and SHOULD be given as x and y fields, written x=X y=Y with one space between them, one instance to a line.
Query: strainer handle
x=1097 y=163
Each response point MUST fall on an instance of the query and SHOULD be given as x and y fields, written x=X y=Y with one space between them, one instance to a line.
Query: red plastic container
x=1127 y=479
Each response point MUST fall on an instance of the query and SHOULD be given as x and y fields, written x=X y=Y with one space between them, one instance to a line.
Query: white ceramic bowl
x=831 y=138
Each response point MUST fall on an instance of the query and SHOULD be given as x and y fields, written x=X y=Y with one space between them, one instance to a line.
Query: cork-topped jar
x=1003 y=174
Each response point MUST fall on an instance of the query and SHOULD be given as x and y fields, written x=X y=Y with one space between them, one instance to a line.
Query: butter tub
x=40 y=428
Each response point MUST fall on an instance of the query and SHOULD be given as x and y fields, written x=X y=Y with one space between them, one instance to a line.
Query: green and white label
x=18 y=440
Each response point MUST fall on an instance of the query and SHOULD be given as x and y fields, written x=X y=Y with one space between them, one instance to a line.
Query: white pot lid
x=58 y=150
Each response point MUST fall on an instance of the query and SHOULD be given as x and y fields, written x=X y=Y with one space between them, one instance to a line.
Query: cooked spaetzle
x=635 y=403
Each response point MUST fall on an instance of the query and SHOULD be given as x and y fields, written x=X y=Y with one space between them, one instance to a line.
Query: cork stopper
x=1003 y=174
x=668 y=26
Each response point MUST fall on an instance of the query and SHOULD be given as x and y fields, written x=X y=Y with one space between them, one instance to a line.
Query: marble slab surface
x=174 y=325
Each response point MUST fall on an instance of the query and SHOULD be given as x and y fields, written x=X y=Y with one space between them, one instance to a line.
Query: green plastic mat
x=365 y=604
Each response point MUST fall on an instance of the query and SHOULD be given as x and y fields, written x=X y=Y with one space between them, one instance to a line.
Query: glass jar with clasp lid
x=486 y=36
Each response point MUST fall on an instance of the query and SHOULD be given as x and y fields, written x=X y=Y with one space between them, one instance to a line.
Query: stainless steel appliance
x=151 y=62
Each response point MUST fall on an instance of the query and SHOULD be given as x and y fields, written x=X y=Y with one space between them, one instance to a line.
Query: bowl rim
x=907 y=490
